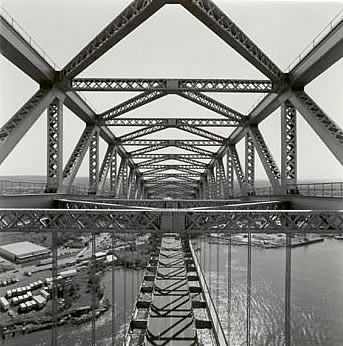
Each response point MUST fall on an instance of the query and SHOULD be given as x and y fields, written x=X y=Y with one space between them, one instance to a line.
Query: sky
x=172 y=44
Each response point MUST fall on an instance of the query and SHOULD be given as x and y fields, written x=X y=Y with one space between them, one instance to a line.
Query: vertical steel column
x=113 y=294
x=229 y=173
x=288 y=147
x=221 y=182
x=211 y=184
x=249 y=289
x=94 y=163
x=229 y=290
x=130 y=182
x=55 y=146
x=238 y=170
x=113 y=172
x=122 y=179
x=288 y=335
x=206 y=187
x=93 y=275
x=54 y=288
x=250 y=164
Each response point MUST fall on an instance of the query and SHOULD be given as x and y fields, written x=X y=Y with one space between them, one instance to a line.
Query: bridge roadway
x=171 y=321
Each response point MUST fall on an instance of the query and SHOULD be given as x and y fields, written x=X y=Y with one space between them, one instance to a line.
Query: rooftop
x=22 y=248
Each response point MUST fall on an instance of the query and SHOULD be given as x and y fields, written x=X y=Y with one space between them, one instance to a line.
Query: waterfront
x=317 y=304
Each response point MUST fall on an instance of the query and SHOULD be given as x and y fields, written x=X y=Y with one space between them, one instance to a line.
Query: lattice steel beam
x=173 y=156
x=238 y=169
x=172 y=166
x=105 y=168
x=122 y=179
x=166 y=175
x=328 y=131
x=212 y=105
x=94 y=163
x=144 y=151
x=266 y=158
x=221 y=183
x=148 y=220
x=140 y=133
x=129 y=105
x=169 y=122
x=173 y=85
x=250 y=163
x=75 y=160
x=288 y=145
x=113 y=171
x=20 y=123
x=54 y=146
x=135 y=14
x=229 y=172
x=217 y=20
x=172 y=142
x=202 y=133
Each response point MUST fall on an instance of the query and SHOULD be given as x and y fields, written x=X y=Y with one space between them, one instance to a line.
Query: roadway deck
x=171 y=320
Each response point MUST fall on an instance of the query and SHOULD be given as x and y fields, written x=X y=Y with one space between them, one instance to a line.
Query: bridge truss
x=137 y=191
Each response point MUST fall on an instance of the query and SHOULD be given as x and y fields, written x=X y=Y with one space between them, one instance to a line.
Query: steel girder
x=144 y=151
x=129 y=105
x=328 y=131
x=142 y=132
x=20 y=123
x=319 y=59
x=288 y=145
x=95 y=217
x=169 y=122
x=105 y=168
x=176 y=157
x=75 y=160
x=173 y=142
x=229 y=172
x=94 y=163
x=173 y=156
x=135 y=14
x=54 y=146
x=113 y=171
x=266 y=158
x=172 y=167
x=216 y=20
x=238 y=169
x=221 y=183
x=212 y=105
x=122 y=179
x=166 y=175
x=202 y=133
x=250 y=163
x=173 y=85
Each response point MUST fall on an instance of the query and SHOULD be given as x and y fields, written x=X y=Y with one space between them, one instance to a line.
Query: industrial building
x=23 y=252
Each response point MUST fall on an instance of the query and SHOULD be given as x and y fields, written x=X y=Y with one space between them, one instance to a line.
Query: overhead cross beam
x=173 y=85
x=129 y=19
x=173 y=142
x=169 y=122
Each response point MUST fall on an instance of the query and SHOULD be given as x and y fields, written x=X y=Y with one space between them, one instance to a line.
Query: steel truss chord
x=20 y=123
x=266 y=158
x=288 y=147
x=136 y=13
x=217 y=21
x=54 y=146
x=172 y=156
x=169 y=122
x=202 y=133
x=140 y=133
x=130 y=104
x=172 y=166
x=212 y=105
x=328 y=131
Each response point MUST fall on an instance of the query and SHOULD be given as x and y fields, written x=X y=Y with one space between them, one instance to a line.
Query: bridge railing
x=329 y=189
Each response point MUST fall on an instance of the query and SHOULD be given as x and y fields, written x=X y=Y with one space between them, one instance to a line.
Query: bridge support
x=54 y=146
x=94 y=163
x=113 y=172
x=238 y=170
x=122 y=179
x=250 y=164
x=288 y=148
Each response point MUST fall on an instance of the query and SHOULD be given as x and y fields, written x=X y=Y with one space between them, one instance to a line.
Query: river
x=316 y=299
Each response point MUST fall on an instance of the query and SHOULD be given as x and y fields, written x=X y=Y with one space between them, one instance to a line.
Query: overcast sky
x=172 y=44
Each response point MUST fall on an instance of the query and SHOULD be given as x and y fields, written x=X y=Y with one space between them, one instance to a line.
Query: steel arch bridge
x=135 y=191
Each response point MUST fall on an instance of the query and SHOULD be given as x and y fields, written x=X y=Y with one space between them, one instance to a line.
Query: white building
x=23 y=251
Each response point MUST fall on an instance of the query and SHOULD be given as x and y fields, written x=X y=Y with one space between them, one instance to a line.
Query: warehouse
x=23 y=252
